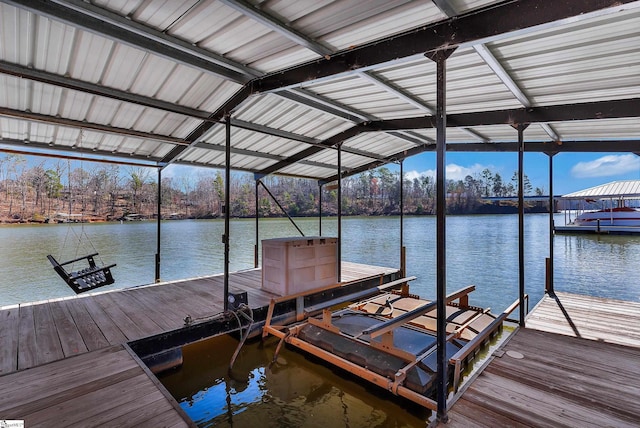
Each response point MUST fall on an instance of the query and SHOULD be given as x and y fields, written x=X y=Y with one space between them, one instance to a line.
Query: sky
x=571 y=171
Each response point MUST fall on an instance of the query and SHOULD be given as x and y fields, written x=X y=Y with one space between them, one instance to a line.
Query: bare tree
x=138 y=177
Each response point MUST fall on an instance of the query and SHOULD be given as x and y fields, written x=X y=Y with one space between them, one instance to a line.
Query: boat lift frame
x=384 y=330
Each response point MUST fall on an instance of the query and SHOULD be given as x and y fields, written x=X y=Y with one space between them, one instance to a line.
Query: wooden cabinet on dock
x=294 y=265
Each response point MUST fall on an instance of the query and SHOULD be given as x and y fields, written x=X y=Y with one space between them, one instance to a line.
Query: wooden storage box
x=294 y=265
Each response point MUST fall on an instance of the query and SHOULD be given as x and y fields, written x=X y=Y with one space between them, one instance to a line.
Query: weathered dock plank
x=37 y=333
x=119 y=317
x=70 y=338
x=124 y=302
x=91 y=333
x=101 y=388
x=9 y=322
x=596 y=318
x=148 y=305
x=591 y=379
x=108 y=327
x=27 y=350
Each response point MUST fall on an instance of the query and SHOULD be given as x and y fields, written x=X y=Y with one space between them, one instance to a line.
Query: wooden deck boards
x=65 y=362
x=607 y=320
x=37 y=333
x=588 y=380
x=107 y=387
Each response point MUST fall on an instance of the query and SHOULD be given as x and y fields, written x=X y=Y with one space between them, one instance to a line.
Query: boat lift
x=390 y=339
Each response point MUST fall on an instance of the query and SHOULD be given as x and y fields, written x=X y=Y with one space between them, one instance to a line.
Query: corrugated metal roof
x=123 y=86
x=589 y=60
x=615 y=189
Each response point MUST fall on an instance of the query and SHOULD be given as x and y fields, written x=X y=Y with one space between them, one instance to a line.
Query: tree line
x=97 y=191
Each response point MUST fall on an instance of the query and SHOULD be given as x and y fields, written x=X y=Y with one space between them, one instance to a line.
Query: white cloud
x=607 y=166
x=452 y=171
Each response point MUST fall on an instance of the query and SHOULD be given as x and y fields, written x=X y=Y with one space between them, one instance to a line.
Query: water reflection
x=481 y=250
x=293 y=392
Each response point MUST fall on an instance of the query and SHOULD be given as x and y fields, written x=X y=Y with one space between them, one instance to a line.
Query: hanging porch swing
x=91 y=275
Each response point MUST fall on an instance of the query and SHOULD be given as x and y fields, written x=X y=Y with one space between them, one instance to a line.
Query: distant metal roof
x=615 y=189
x=152 y=81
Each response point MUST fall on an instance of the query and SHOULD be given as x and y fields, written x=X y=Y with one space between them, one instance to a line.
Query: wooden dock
x=576 y=364
x=102 y=388
x=66 y=362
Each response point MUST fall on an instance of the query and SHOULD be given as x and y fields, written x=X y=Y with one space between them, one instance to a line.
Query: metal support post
x=319 y=208
x=440 y=58
x=550 y=288
x=227 y=209
x=521 y=128
x=403 y=267
x=157 y=278
x=339 y=256
x=255 y=247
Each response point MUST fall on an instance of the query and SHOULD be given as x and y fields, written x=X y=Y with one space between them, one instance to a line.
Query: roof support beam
x=411 y=99
x=495 y=65
x=622 y=146
x=566 y=112
x=397 y=92
x=506 y=79
x=36 y=148
x=271 y=22
x=296 y=137
x=489 y=23
x=477 y=26
x=70 y=157
x=333 y=107
x=103 y=91
x=252 y=153
x=53 y=120
x=614 y=109
x=97 y=20
x=318 y=102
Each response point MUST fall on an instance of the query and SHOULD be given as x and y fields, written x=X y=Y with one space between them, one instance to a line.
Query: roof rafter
x=97 y=20
x=333 y=107
x=28 y=146
x=489 y=23
x=474 y=27
x=95 y=89
x=270 y=21
x=566 y=112
x=55 y=120
x=411 y=99
x=489 y=58
x=552 y=147
x=253 y=153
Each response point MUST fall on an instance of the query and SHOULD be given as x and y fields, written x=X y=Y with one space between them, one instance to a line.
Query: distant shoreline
x=483 y=210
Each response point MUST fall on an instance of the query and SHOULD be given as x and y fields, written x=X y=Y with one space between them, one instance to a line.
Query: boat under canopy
x=603 y=209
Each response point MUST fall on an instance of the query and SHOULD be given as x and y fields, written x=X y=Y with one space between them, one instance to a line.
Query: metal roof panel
x=589 y=60
x=614 y=189
x=602 y=129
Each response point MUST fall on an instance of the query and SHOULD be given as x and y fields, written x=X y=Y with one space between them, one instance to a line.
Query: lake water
x=481 y=250
x=296 y=391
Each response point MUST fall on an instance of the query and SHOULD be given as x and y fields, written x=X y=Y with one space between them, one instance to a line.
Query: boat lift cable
x=279 y=347
x=243 y=339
